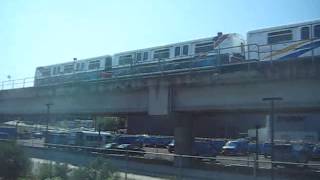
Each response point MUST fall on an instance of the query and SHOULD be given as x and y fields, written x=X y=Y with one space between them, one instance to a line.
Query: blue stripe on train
x=302 y=50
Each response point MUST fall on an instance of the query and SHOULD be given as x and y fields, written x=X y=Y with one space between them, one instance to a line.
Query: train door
x=107 y=73
x=315 y=39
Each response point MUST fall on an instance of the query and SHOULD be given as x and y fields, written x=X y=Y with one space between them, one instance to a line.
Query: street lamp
x=272 y=100
x=48 y=119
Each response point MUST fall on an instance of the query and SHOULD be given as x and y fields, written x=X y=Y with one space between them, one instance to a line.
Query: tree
x=13 y=162
x=109 y=123
x=97 y=170
x=53 y=171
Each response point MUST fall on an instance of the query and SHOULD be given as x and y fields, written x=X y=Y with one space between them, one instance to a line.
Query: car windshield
x=232 y=143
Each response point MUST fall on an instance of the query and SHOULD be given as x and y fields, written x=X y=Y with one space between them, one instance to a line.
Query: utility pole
x=48 y=119
x=272 y=100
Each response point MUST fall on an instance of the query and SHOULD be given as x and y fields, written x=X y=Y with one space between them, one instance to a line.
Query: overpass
x=238 y=87
x=177 y=94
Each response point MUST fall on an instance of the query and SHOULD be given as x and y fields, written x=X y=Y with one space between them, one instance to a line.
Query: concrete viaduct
x=179 y=95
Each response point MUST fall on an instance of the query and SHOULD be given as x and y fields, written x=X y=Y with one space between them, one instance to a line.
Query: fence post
x=24 y=81
x=126 y=170
x=12 y=84
x=312 y=52
x=180 y=167
x=258 y=47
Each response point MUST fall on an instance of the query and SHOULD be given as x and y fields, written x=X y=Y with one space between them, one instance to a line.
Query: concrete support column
x=183 y=136
x=159 y=98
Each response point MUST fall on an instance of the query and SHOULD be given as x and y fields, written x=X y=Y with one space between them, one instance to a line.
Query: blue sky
x=36 y=33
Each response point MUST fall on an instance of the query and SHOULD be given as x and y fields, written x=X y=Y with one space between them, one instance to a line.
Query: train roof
x=78 y=60
x=174 y=44
x=287 y=26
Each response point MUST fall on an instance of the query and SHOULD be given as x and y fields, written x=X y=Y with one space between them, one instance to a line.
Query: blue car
x=235 y=147
x=316 y=152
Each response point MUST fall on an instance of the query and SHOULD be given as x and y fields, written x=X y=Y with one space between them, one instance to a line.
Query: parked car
x=171 y=147
x=131 y=149
x=295 y=153
x=236 y=147
x=199 y=148
x=37 y=135
x=130 y=139
x=316 y=152
x=110 y=148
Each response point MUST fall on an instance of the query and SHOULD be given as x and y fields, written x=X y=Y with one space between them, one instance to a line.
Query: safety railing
x=213 y=60
x=17 y=83
x=158 y=163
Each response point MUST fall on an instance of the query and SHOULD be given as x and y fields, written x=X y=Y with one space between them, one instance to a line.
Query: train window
x=94 y=65
x=305 y=33
x=127 y=59
x=177 y=51
x=68 y=68
x=78 y=67
x=204 y=47
x=161 y=54
x=54 y=71
x=45 y=72
x=138 y=57
x=279 y=36
x=108 y=65
x=316 y=31
x=185 y=50
x=145 y=56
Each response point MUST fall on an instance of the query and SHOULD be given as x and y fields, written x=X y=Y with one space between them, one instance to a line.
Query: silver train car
x=300 y=40
x=226 y=48
x=78 y=70
x=285 y=42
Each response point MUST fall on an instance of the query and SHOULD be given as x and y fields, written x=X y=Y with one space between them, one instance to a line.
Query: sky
x=43 y=32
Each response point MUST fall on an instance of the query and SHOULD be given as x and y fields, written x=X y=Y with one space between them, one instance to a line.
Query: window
x=305 y=33
x=279 y=36
x=94 y=65
x=45 y=72
x=138 y=57
x=185 y=50
x=145 y=56
x=177 y=51
x=54 y=71
x=82 y=66
x=161 y=54
x=204 y=47
x=108 y=65
x=78 y=67
x=127 y=59
x=316 y=31
x=68 y=68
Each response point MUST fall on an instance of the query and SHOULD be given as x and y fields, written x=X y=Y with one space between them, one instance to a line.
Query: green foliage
x=13 y=162
x=109 y=123
x=45 y=171
x=53 y=171
x=97 y=170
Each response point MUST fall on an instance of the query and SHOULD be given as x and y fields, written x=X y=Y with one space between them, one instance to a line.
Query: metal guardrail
x=255 y=168
x=251 y=52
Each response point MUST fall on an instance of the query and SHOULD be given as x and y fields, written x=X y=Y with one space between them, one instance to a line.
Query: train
x=299 y=40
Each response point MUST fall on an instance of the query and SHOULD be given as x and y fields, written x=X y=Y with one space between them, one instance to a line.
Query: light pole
x=48 y=119
x=272 y=100
x=17 y=123
x=74 y=68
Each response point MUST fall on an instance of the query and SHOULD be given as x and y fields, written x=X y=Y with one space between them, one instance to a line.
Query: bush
x=97 y=170
x=13 y=162
x=53 y=171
